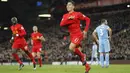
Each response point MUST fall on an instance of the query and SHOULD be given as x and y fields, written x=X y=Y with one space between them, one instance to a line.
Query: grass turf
x=66 y=69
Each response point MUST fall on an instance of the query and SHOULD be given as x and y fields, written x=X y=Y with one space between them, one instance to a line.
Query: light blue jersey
x=102 y=32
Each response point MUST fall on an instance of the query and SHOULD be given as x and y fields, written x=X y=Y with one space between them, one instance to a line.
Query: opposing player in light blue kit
x=102 y=35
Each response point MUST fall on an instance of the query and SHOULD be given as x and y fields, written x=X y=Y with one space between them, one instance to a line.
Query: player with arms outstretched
x=71 y=20
x=36 y=41
x=18 y=42
x=103 y=36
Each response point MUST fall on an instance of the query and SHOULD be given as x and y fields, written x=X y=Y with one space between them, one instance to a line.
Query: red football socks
x=40 y=61
x=31 y=57
x=82 y=57
x=79 y=53
x=17 y=58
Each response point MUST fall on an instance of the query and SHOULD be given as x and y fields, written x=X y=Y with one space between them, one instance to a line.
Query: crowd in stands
x=55 y=48
x=121 y=45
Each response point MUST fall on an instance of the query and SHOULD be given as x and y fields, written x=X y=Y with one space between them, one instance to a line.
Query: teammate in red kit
x=18 y=42
x=36 y=41
x=72 y=21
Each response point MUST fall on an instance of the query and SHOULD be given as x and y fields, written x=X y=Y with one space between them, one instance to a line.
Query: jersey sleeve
x=40 y=34
x=107 y=27
x=22 y=31
x=65 y=21
x=87 y=19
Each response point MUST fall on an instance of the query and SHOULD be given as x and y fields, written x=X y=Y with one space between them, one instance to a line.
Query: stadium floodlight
x=128 y=6
x=5 y=28
x=44 y=15
x=4 y=0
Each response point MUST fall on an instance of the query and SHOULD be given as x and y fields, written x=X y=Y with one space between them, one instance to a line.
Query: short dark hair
x=14 y=20
x=103 y=20
x=72 y=2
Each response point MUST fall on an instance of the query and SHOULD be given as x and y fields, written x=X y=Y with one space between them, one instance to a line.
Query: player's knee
x=71 y=48
x=80 y=48
x=33 y=54
x=39 y=56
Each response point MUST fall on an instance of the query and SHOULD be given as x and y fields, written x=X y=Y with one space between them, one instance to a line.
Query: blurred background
x=47 y=14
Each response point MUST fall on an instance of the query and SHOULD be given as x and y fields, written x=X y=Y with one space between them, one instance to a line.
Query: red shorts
x=36 y=49
x=19 y=44
x=76 y=39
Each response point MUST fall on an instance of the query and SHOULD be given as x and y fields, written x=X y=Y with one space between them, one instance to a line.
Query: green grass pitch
x=66 y=69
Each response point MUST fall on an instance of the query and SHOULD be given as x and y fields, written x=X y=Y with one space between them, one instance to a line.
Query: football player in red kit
x=18 y=42
x=71 y=20
x=36 y=41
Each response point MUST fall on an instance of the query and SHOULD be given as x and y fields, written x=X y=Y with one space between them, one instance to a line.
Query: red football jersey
x=74 y=24
x=35 y=36
x=19 y=30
